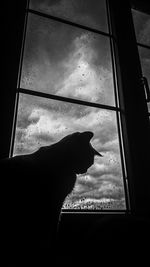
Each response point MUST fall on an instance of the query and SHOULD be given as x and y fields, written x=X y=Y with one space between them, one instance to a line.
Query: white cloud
x=107 y=187
x=83 y=79
x=82 y=83
x=47 y=123
x=64 y=121
x=100 y=167
x=77 y=75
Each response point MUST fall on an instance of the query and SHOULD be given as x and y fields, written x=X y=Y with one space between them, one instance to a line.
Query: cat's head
x=80 y=153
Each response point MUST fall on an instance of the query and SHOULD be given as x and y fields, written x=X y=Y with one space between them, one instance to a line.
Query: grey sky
x=88 y=13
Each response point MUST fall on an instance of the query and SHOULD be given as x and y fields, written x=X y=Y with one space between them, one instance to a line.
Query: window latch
x=146 y=88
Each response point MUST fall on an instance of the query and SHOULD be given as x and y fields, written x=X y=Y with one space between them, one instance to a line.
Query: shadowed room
x=75 y=135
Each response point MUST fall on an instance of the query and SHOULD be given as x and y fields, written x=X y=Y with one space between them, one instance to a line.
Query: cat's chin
x=81 y=171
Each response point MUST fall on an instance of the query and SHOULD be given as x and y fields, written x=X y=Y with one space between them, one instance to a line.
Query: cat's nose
x=96 y=153
x=89 y=136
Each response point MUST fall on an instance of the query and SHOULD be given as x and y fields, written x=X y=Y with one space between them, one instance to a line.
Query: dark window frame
x=132 y=96
x=141 y=44
x=116 y=108
x=15 y=27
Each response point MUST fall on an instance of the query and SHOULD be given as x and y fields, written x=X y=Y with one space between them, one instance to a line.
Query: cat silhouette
x=35 y=187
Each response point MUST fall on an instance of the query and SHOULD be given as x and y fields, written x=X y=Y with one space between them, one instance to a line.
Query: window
x=67 y=83
x=142 y=30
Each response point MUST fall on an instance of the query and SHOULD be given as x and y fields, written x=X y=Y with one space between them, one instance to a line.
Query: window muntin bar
x=67 y=99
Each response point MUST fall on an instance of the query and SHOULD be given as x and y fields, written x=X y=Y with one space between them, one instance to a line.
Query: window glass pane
x=90 y=13
x=145 y=63
x=43 y=121
x=142 y=27
x=64 y=60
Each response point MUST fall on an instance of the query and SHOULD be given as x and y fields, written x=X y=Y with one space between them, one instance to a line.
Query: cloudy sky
x=68 y=61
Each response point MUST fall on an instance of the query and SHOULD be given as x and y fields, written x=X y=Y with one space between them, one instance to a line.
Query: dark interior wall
x=12 y=21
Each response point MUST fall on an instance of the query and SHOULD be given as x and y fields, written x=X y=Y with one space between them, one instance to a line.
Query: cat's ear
x=87 y=136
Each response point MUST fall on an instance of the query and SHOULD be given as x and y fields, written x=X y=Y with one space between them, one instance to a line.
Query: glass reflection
x=142 y=27
x=145 y=63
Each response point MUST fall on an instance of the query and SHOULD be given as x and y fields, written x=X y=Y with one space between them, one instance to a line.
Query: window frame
x=141 y=44
x=146 y=47
x=133 y=101
x=115 y=108
x=126 y=122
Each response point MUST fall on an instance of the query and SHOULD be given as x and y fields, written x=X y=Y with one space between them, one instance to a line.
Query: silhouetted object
x=35 y=187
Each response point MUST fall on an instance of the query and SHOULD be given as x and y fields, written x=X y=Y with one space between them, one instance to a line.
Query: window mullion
x=131 y=93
